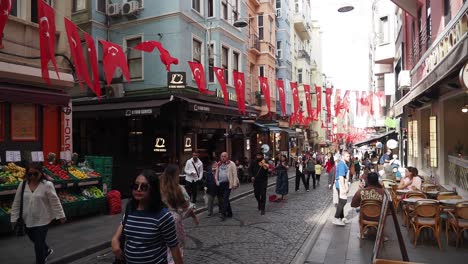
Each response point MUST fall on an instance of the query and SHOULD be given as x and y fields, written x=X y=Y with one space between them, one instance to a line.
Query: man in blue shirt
x=341 y=185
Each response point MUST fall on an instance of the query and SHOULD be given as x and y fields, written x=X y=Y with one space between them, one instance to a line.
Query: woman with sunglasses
x=41 y=205
x=178 y=202
x=148 y=227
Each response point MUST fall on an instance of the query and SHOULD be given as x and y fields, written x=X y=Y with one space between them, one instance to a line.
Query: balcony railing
x=303 y=54
x=254 y=42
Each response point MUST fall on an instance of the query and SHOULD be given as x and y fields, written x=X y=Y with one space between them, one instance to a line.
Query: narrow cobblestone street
x=249 y=237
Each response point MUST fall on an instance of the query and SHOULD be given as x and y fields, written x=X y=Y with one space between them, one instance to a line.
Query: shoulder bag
x=196 y=170
x=20 y=227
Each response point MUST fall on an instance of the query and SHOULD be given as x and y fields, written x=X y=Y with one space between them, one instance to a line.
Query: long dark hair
x=155 y=203
x=170 y=188
x=35 y=166
x=332 y=160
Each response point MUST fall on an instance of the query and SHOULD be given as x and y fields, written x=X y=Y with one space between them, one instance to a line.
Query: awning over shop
x=120 y=106
x=292 y=133
x=269 y=128
x=374 y=138
x=206 y=107
x=35 y=95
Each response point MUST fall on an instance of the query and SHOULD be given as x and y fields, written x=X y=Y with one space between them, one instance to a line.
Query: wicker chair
x=408 y=209
x=426 y=215
x=458 y=220
x=369 y=209
x=441 y=195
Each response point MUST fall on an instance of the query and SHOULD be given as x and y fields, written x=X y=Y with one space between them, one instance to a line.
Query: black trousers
x=300 y=176
x=308 y=176
x=260 y=188
x=192 y=189
x=225 y=205
x=340 y=207
x=38 y=236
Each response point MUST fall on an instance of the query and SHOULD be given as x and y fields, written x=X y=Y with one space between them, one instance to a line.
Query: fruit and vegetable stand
x=80 y=189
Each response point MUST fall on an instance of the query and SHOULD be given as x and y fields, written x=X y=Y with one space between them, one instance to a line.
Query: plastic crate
x=5 y=224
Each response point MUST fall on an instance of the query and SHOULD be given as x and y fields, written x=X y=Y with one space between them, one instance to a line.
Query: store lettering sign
x=445 y=45
x=201 y=108
x=138 y=112
x=176 y=80
x=67 y=132
x=160 y=145
x=188 y=144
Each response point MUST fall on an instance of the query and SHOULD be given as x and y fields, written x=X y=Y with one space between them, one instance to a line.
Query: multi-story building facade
x=34 y=115
x=433 y=93
x=158 y=122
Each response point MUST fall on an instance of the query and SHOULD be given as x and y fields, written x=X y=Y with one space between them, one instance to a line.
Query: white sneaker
x=345 y=221
x=338 y=222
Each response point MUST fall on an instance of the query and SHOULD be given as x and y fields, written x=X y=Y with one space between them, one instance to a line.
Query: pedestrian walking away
x=310 y=172
x=178 y=202
x=342 y=187
x=148 y=228
x=35 y=205
x=193 y=174
x=226 y=179
x=282 y=180
x=259 y=170
x=300 y=169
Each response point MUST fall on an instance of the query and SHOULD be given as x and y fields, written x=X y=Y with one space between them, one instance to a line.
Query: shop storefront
x=431 y=111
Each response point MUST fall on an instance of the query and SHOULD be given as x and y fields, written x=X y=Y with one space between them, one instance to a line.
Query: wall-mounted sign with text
x=188 y=146
x=138 y=112
x=160 y=144
x=176 y=80
x=201 y=108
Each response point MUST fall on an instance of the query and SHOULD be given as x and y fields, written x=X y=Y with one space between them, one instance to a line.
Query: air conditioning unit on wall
x=130 y=8
x=113 y=9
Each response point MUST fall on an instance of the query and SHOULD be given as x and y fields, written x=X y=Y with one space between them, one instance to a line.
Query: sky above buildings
x=345 y=42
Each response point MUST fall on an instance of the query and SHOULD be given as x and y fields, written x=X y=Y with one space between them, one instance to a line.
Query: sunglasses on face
x=30 y=174
x=144 y=187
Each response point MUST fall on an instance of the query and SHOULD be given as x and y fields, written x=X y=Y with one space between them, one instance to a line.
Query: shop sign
x=138 y=112
x=176 y=80
x=444 y=46
x=201 y=108
x=67 y=132
x=188 y=143
x=160 y=145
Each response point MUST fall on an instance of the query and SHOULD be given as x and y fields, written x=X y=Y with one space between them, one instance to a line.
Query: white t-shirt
x=416 y=183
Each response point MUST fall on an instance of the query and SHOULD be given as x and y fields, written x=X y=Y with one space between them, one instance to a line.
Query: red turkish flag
x=328 y=95
x=93 y=60
x=114 y=57
x=239 y=84
x=292 y=119
x=219 y=72
x=164 y=55
x=199 y=76
x=318 y=92
x=295 y=94
x=364 y=102
x=308 y=101
x=282 y=95
x=370 y=102
x=266 y=90
x=337 y=102
x=345 y=104
x=76 y=50
x=5 y=9
x=46 y=38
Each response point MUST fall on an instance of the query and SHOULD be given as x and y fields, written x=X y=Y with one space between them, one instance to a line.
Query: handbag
x=20 y=227
x=122 y=239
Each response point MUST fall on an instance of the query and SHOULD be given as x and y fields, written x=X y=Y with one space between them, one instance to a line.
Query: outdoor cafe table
x=431 y=193
x=412 y=200
x=451 y=202
x=402 y=191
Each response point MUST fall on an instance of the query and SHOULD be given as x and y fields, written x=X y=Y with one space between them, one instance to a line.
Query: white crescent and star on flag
x=46 y=20
x=8 y=7
x=220 y=73
x=114 y=49
x=196 y=73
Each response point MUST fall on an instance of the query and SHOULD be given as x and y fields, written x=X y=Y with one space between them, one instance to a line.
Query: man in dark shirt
x=258 y=171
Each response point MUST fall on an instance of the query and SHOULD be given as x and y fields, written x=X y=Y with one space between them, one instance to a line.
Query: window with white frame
x=384 y=30
x=134 y=58
x=278 y=4
x=235 y=61
x=211 y=62
x=299 y=75
x=210 y=8
x=260 y=27
x=78 y=5
x=279 y=51
x=101 y=6
x=225 y=62
x=261 y=72
x=235 y=9
x=272 y=26
x=224 y=10
x=278 y=13
x=196 y=5
x=196 y=50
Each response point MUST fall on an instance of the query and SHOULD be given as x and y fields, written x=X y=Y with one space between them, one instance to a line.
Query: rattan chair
x=370 y=209
x=426 y=215
x=458 y=220
x=441 y=195
x=408 y=208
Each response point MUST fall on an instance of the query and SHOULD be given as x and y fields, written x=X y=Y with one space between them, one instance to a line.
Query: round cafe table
x=402 y=191
x=451 y=202
x=412 y=200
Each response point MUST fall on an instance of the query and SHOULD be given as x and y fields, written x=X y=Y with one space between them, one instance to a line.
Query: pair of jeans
x=260 y=188
x=192 y=188
x=340 y=207
x=308 y=176
x=225 y=204
x=300 y=176
x=38 y=236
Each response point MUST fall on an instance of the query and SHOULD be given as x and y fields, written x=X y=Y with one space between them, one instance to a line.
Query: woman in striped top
x=149 y=228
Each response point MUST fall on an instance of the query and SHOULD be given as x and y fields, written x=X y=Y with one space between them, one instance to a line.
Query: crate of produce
x=58 y=173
